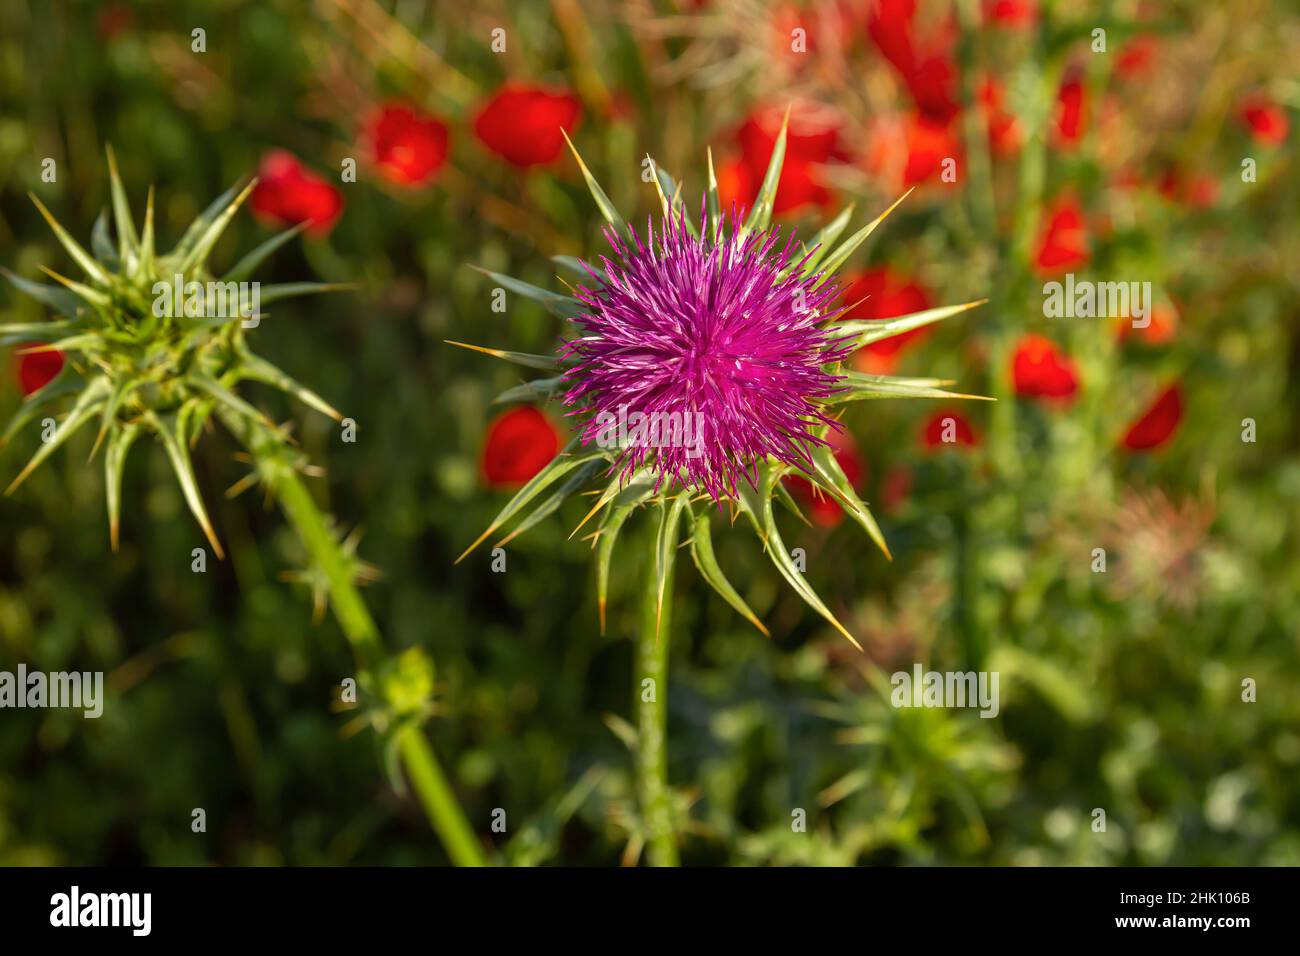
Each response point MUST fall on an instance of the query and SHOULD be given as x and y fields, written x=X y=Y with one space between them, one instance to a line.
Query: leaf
x=100 y=242
x=199 y=226
x=760 y=217
x=80 y=256
x=672 y=189
x=83 y=292
x=65 y=384
x=538 y=390
x=820 y=244
x=712 y=203
x=556 y=498
x=246 y=266
x=669 y=518
x=228 y=398
x=558 y=467
x=868 y=331
x=625 y=502
x=179 y=456
x=33 y=332
x=60 y=300
x=707 y=563
x=548 y=363
x=571 y=263
x=119 y=445
x=856 y=386
x=290 y=290
x=126 y=237
x=828 y=468
x=114 y=402
x=261 y=370
x=602 y=201
x=86 y=405
x=841 y=255
x=147 y=240
x=564 y=306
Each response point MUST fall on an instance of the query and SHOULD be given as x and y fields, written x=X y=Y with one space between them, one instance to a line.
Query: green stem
x=318 y=537
x=652 y=710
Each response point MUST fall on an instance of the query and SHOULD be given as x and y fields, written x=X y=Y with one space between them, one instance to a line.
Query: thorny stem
x=651 y=703
x=313 y=529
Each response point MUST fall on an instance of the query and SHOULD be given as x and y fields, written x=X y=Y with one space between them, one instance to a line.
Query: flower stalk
x=651 y=695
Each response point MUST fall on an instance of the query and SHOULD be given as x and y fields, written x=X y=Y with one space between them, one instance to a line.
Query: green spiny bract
x=131 y=370
x=638 y=333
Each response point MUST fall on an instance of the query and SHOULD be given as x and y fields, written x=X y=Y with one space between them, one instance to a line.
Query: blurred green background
x=1120 y=691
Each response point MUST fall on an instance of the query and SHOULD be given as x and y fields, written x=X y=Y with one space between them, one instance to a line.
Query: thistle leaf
x=199 y=226
x=260 y=370
x=864 y=332
x=197 y=255
x=547 y=363
x=246 y=266
x=606 y=538
x=60 y=300
x=602 y=201
x=538 y=390
x=290 y=290
x=65 y=384
x=670 y=189
x=114 y=402
x=100 y=242
x=119 y=445
x=669 y=518
x=707 y=562
x=554 y=500
x=834 y=480
x=564 y=306
x=712 y=203
x=87 y=404
x=572 y=264
x=126 y=237
x=179 y=455
x=79 y=255
x=820 y=244
x=760 y=217
x=559 y=466
x=229 y=399
x=32 y=332
x=855 y=386
x=83 y=292
x=850 y=245
x=146 y=258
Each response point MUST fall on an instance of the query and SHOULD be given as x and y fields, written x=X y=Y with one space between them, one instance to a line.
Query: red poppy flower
x=520 y=443
x=1011 y=13
x=1064 y=241
x=35 y=370
x=1267 y=121
x=406 y=146
x=1162 y=324
x=1158 y=423
x=910 y=151
x=522 y=123
x=1137 y=56
x=889 y=296
x=1004 y=129
x=288 y=194
x=924 y=64
x=823 y=508
x=811 y=141
x=1070 y=114
x=895 y=488
x=1039 y=370
x=948 y=428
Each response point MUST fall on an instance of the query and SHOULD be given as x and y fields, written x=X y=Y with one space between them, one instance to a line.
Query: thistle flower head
x=155 y=342
x=718 y=342
x=708 y=358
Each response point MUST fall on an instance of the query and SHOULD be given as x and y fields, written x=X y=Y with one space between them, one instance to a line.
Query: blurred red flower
x=1039 y=370
x=1064 y=240
x=1159 y=330
x=1011 y=13
x=1070 y=112
x=1004 y=129
x=1267 y=122
x=824 y=509
x=948 y=428
x=811 y=141
x=286 y=193
x=520 y=443
x=407 y=146
x=522 y=123
x=1158 y=423
x=890 y=294
x=35 y=370
x=908 y=151
x=924 y=64
x=1137 y=56
x=895 y=487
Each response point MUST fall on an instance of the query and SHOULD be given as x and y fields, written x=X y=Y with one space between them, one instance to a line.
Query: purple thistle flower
x=703 y=357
